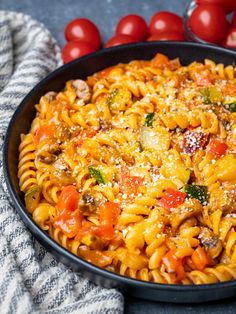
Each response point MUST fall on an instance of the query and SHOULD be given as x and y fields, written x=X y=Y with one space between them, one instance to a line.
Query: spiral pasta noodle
x=134 y=170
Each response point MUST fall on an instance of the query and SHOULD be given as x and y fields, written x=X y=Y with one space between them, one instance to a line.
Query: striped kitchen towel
x=31 y=280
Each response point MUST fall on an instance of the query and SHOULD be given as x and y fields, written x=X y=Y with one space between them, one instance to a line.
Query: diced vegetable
x=160 y=59
x=68 y=199
x=211 y=243
x=200 y=258
x=154 y=139
x=230 y=106
x=197 y=191
x=105 y=232
x=226 y=168
x=69 y=222
x=149 y=119
x=193 y=140
x=218 y=148
x=211 y=95
x=173 y=264
x=119 y=99
x=32 y=197
x=108 y=213
x=44 y=132
x=171 y=198
x=96 y=174
x=129 y=184
x=107 y=172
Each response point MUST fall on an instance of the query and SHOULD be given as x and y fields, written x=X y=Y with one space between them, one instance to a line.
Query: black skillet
x=20 y=123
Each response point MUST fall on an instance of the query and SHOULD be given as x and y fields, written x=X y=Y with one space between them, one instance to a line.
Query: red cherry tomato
x=133 y=25
x=165 y=22
x=69 y=222
x=109 y=213
x=167 y=36
x=227 y=5
x=230 y=40
x=209 y=23
x=43 y=133
x=84 y=30
x=118 y=40
x=75 y=49
x=68 y=199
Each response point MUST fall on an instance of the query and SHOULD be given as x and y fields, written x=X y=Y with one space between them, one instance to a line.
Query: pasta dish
x=134 y=170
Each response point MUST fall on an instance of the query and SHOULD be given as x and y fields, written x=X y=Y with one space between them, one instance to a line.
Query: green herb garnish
x=149 y=119
x=197 y=191
x=96 y=174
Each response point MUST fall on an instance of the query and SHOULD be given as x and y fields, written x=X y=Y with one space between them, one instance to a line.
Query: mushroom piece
x=211 y=242
x=61 y=173
x=63 y=132
x=50 y=96
x=82 y=90
x=49 y=153
x=105 y=124
x=46 y=158
x=92 y=200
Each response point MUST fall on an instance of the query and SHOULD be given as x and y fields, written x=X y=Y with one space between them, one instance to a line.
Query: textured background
x=55 y=14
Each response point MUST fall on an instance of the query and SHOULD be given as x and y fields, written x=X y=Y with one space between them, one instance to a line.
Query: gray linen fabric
x=31 y=280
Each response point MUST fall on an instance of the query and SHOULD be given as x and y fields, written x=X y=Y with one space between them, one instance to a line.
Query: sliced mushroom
x=61 y=173
x=54 y=149
x=49 y=153
x=46 y=158
x=82 y=90
x=50 y=96
x=105 y=125
x=211 y=242
x=92 y=200
x=63 y=132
